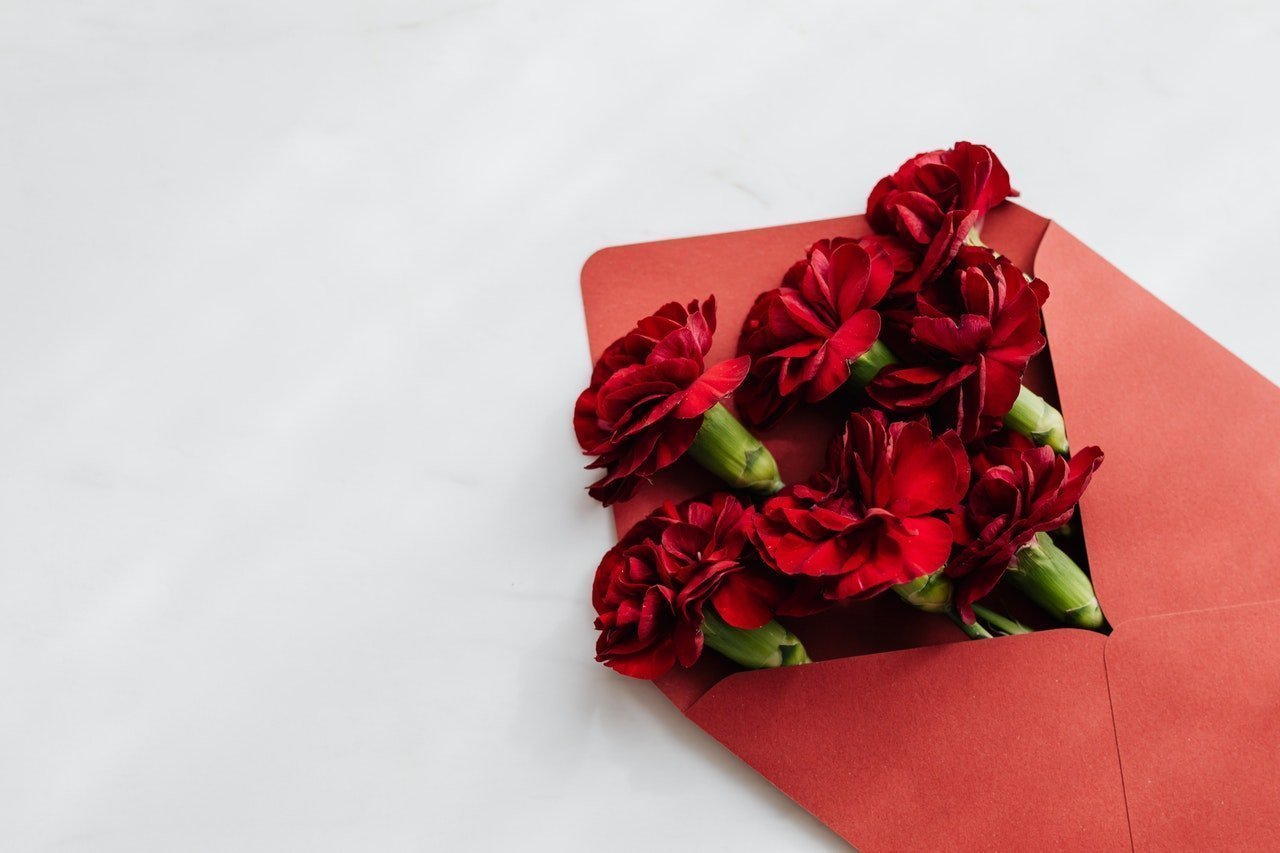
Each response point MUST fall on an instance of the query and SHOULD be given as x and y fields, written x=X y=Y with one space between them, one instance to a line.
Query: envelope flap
x=1196 y=698
x=996 y=745
x=1182 y=514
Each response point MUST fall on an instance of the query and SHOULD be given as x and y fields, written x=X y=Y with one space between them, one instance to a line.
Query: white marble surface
x=294 y=552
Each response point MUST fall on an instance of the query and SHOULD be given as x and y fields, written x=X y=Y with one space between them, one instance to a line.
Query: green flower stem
x=865 y=367
x=1053 y=580
x=765 y=647
x=725 y=448
x=974 y=631
x=1003 y=624
x=930 y=593
x=1037 y=420
x=933 y=594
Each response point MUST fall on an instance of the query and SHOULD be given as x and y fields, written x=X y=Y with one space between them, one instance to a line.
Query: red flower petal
x=651 y=589
x=713 y=386
x=639 y=414
x=746 y=601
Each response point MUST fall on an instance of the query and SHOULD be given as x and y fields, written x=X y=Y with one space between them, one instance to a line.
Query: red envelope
x=1164 y=735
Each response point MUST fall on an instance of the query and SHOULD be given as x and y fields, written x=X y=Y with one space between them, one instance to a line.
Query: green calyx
x=865 y=367
x=1051 y=579
x=1037 y=420
x=725 y=448
x=766 y=647
x=930 y=593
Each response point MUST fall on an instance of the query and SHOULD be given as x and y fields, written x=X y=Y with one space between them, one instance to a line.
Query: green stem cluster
x=1003 y=624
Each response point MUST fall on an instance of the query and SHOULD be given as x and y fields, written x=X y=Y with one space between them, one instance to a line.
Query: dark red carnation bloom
x=1025 y=491
x=872 y=517
x=652 y=587
x=976 y=329
x=801 y=336
x=935 y=199
x=647 y=396
x=997 y=449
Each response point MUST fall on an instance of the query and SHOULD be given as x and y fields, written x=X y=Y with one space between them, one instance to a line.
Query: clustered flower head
x=874 y=516
x=1021 y=490
x=974 y=331
x=802 y=336
x=648 y=393
x=935 y=199
x=925 y=334
x=652 y=588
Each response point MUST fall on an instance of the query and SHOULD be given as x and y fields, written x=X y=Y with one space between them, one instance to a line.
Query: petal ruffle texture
x=647 y=395
x=1022 y=490
x=875 y=515
x=972 y=333
x=934 y=200
x=651 y=588
x=802 y=335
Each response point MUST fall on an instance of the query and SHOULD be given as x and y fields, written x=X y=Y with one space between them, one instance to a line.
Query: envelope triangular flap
x=1196 y=699
x=1003 y=745
x=1183 y=514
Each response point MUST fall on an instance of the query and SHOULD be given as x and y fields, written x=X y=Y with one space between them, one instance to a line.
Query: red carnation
x=647 y=396
x=935 y=199
x=872 y=518
x=651 y=589
x=1025 y=491
x=976 y=329
x=801 y=336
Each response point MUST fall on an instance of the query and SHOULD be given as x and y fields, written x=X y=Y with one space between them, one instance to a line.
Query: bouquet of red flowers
x=947 y=476
x=873 y=466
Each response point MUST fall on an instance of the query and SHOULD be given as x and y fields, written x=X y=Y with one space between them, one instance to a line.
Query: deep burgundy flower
x=801 y=336
x=1024 y=490
x=647 y=395
x=935 y=199
x=873 y=517
x=975 y=330
x=651 y=589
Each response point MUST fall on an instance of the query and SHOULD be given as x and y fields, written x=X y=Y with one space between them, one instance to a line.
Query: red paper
x=1026 y=743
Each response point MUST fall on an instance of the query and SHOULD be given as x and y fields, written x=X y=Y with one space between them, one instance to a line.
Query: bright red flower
x=652 y=587
x=935 y=199
x=1025 y=491
x=873 y=517
x=801 y=336
x=976 y=329
x=647 y=395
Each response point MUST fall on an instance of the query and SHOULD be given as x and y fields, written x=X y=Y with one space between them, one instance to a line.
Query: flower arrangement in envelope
x=838 y=453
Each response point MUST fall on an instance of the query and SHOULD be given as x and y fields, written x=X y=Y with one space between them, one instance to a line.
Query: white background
x=294 y=548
